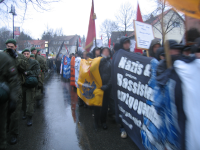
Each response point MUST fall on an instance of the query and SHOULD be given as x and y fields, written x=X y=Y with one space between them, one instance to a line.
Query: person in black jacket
x=105 y=73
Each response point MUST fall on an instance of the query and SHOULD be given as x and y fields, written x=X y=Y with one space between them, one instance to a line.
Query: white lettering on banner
x=134 y=87
x=134 y=67
x=140 y=107
x=127 y=114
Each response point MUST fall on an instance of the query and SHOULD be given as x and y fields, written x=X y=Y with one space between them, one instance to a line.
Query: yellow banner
x=89 y=82
x=188 y=7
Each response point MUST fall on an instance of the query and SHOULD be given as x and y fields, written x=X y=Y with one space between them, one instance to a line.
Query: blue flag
x=66 y=67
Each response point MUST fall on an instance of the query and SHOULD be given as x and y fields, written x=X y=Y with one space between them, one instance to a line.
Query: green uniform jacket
x=21 y=63
x=33 y=68
x=9 y=74
x=46 y=68
x=41 y=62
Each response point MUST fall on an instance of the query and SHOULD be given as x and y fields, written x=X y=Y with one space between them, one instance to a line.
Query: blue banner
x=133 y=79
x=66 y=67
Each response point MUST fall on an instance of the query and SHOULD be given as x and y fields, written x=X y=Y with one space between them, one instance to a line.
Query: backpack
x=4 y=92
x=31 y=81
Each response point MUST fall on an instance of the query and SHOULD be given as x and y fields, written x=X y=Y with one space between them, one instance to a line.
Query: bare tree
x=166 y=18
x=53 y=37
x=23 y=6
x=106 y=29
x=5 y=34
x=125 y=17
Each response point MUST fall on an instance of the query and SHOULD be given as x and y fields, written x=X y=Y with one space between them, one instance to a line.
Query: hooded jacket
x=153 y=43
x=122 y=41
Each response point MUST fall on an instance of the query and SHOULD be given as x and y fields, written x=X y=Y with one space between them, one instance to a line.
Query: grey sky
x=73 y=16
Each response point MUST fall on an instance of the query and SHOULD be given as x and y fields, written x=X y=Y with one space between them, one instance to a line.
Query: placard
x=143 y=35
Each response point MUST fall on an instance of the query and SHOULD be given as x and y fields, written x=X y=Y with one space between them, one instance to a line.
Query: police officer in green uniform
x=42 y=67
x=28 y=88
x=21 y=64
x=9 y=90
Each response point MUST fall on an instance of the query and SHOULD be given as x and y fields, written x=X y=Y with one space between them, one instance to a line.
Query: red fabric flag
x=101 y=37
x=79 y=42
x=109 y=43
x=91 y=30
x=139 y=18
x=126 y=35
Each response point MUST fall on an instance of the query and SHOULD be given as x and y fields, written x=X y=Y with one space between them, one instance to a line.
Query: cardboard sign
x=143 y=35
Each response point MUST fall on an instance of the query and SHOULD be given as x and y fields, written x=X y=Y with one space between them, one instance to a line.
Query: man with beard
x=28 y=89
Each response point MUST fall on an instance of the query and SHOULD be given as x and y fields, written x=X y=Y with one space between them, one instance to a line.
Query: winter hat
x=117 y=47
x=89 y=55
x=174 y=45
x=187 y=48
x=105 y=48
x=38 y=50
x=160 y=52
x=33 y=48
x=25 y=50
x=32 y=55
x=13 y=41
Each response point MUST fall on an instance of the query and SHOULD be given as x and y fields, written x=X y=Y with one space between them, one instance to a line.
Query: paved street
x=59 y=124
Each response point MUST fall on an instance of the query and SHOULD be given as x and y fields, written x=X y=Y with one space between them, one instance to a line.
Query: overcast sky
x=73 y=16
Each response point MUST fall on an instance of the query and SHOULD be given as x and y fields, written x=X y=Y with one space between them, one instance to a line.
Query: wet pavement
x=59 y=124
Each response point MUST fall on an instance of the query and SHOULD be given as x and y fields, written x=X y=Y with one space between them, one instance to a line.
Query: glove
x=12 y=106
x=104 y=87
x=12 y=53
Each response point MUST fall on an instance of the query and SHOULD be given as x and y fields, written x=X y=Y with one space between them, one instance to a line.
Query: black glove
x=104 y=87
x=12 y=52
x=12 y=106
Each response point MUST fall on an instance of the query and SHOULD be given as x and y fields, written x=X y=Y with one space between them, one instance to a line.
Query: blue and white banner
x=66 y=67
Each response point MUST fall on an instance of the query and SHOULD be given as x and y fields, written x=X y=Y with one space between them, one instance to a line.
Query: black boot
x=104 y=126
x=38 y=103
x=13 y=139
x=24 y=116
x=29 y=121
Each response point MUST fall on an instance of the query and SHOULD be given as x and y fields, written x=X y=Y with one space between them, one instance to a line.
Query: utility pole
x=12 y=11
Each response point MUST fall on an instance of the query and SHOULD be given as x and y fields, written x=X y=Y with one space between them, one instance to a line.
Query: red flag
x=139 y=18
x=109 y=43
x=79 y=42
x=91 y=30
x=66 y=49
x=126 y=35
x=113 y=44
x=101 y=37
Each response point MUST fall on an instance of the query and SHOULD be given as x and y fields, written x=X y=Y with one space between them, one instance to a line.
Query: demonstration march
x=127 y=90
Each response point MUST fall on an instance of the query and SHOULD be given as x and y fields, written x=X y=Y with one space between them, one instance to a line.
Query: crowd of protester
x=179 y=122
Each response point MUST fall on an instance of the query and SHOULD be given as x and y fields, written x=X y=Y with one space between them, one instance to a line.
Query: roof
x=116 y=35
x=154 y=19
x=40 y=43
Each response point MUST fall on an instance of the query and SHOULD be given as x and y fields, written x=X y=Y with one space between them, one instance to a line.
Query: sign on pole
x=143 y=35
x=17 y=31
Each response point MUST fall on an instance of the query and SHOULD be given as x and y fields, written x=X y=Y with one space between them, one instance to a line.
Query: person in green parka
x=28 y=88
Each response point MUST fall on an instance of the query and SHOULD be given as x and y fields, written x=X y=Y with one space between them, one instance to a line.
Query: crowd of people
x=22 y=78
x=21 y=88
x=181 y=134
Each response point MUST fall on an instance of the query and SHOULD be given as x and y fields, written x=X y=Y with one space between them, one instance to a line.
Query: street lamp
x=12 y=11
x=47 y=48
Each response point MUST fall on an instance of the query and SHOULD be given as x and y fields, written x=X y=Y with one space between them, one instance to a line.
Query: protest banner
x=66 y=67
x=133 y=94
x=89 y=82
x=72 y=78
